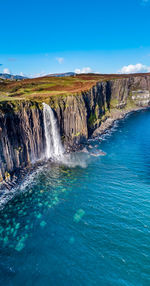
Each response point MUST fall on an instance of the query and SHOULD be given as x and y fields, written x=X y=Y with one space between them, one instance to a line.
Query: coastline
x=109 y=122
x=20 y=174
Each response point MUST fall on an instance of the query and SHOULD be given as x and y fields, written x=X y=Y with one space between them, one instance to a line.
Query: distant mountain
x=62 y=74
x=11 y=77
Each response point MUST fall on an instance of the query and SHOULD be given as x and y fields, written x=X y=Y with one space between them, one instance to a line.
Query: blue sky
x=40 y=37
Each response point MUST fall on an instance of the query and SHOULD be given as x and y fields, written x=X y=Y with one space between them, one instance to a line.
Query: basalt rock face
x=22 y=138
x=121 y=94
x=121 y=89
x=72 y=118
x=79 y=115
x=21 y=134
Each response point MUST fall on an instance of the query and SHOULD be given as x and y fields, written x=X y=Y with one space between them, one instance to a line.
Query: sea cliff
x=80 y=114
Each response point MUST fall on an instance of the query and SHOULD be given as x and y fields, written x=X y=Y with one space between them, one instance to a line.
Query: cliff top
x=44 y=87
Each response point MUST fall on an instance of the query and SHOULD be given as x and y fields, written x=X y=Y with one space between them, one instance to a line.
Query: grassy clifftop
x=40 y=89
x=44 y=87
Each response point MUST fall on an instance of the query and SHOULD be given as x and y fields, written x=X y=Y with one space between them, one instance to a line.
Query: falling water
x=54 y=148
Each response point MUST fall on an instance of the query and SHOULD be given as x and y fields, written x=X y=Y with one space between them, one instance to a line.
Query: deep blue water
x=84 y=226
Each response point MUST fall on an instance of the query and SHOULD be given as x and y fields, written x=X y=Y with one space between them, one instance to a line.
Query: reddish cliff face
x=22 y=138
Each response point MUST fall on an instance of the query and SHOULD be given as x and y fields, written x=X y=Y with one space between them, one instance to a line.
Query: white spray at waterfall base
x=54 y=147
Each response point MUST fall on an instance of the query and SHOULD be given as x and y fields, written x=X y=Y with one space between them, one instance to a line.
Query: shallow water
x=84 y=225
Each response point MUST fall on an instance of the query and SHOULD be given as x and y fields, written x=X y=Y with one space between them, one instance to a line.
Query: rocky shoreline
x=18 y=177
x=110 y=121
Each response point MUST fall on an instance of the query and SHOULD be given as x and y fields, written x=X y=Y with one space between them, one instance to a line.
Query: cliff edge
x=84 y=105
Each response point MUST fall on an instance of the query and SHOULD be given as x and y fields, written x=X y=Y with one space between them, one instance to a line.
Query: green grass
x=46 y=88
x=49 y=86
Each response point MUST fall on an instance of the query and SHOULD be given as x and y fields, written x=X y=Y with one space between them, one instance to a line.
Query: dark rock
x=22 y=138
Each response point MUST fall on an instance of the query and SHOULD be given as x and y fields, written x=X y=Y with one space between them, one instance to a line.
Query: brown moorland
x=44 y=87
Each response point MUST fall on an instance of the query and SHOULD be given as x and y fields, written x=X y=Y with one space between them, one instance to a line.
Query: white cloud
x=138 y=68
x=60 y=60
x=6 y=71
x=83 y=70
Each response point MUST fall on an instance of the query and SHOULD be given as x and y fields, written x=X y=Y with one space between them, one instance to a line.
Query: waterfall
x=54 y=148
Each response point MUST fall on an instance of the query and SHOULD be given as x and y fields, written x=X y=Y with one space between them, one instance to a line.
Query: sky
x=43 y=37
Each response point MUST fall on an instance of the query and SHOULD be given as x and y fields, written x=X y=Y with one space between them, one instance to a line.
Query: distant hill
x=19 y=77
x=62 y=74
x=11 y=77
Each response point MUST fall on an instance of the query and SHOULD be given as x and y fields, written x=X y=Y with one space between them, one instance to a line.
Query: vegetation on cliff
x=41 y=89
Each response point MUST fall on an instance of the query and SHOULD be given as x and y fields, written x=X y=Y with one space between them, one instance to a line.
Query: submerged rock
x=98 y=153
x=78 y=215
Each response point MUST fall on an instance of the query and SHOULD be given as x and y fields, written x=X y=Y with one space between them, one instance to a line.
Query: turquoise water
x=86 y=225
